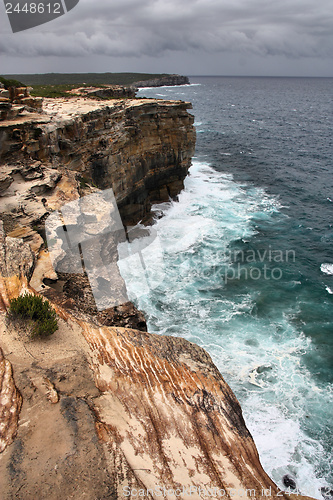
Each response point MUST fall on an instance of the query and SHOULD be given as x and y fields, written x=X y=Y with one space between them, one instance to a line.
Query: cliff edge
x=168 y=80
x=142 y=148
x=113 y=413
x=102 y=409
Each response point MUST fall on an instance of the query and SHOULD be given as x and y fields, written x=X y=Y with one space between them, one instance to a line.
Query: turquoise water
x=247 y=261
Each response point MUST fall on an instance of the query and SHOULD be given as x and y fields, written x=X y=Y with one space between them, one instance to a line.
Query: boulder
x=17 y=262
x=289 y=482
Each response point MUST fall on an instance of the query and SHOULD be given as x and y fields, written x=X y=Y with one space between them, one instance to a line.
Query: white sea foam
x=327 y=268
x=277 y=393
x=283 y=446
x=170 y=86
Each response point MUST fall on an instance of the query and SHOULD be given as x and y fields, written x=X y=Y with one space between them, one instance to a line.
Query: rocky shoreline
x=102 y=409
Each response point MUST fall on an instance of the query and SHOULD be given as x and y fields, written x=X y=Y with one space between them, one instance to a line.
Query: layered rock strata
x=116 y=413
x=106 y=92
x=15 y=100
x=142 y=148
x=24 y=209
x=168 y=80
x=108 y=412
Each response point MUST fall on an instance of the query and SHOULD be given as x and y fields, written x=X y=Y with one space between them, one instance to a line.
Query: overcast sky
x=190 y=37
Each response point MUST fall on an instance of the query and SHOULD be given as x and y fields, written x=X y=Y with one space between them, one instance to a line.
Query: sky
x=189 y=37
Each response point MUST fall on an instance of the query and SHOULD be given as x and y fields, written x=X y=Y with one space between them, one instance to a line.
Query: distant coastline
x=168 y=80
x=126 y=79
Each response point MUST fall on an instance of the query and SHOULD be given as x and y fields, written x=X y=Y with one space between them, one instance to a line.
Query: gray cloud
x=158 y=28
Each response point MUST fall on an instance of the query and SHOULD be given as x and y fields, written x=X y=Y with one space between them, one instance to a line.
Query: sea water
x=248 y=261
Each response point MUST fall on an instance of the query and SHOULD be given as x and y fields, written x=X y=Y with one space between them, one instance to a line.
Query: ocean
x=248 y=261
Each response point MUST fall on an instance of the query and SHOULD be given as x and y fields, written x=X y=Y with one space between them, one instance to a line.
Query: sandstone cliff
x=142 y=148
x=169 y=80
x=106 y=92
x=99 y=411
x=111 y=412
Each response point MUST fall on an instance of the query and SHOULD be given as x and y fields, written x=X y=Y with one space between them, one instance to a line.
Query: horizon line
x=168 y=74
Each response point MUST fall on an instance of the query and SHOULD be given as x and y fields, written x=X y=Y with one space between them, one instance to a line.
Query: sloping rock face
x=142 y=148
x=115 y=413
x=175 y=419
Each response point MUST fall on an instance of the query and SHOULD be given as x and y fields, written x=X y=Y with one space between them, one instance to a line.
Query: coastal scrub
x=41 y=317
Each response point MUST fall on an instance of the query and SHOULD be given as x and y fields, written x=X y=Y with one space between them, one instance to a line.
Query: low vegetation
x=52 y=90
x=11 y=83
x=81 y=79
x=40 y=316
x=59 y=84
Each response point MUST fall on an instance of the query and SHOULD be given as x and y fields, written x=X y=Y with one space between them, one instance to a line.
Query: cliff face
x=108 y=412
x=165 y=80
x=142 y=148
x=107 y=92
x=100 y=411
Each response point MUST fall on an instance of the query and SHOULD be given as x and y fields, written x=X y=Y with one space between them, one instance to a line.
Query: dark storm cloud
x=127 y=28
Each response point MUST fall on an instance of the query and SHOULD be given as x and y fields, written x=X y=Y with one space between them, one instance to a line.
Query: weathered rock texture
x=10 y=404
x=17 y=262
x=170 y=412
x=106 y=92
x=24 y=209
x=21 y=95
x=15 y=100
x=110 y=411
x=107 y=411
x=141 y=148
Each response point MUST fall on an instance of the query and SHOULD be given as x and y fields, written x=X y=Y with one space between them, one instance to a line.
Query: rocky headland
x=168 y=80
x=103 y=409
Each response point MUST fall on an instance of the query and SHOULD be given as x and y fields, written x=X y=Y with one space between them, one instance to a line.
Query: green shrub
x=39 y=313
x=52 y=91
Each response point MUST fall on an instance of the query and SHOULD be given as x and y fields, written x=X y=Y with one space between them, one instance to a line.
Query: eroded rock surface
x=109 y=411
x=10 y=404
x=107 y=92
x=171 y=413
x=17 y=262
x=142 y=148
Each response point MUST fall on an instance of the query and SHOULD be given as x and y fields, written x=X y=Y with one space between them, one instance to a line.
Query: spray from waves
x=260 y=356
x=327 y=268
x=171 y=87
